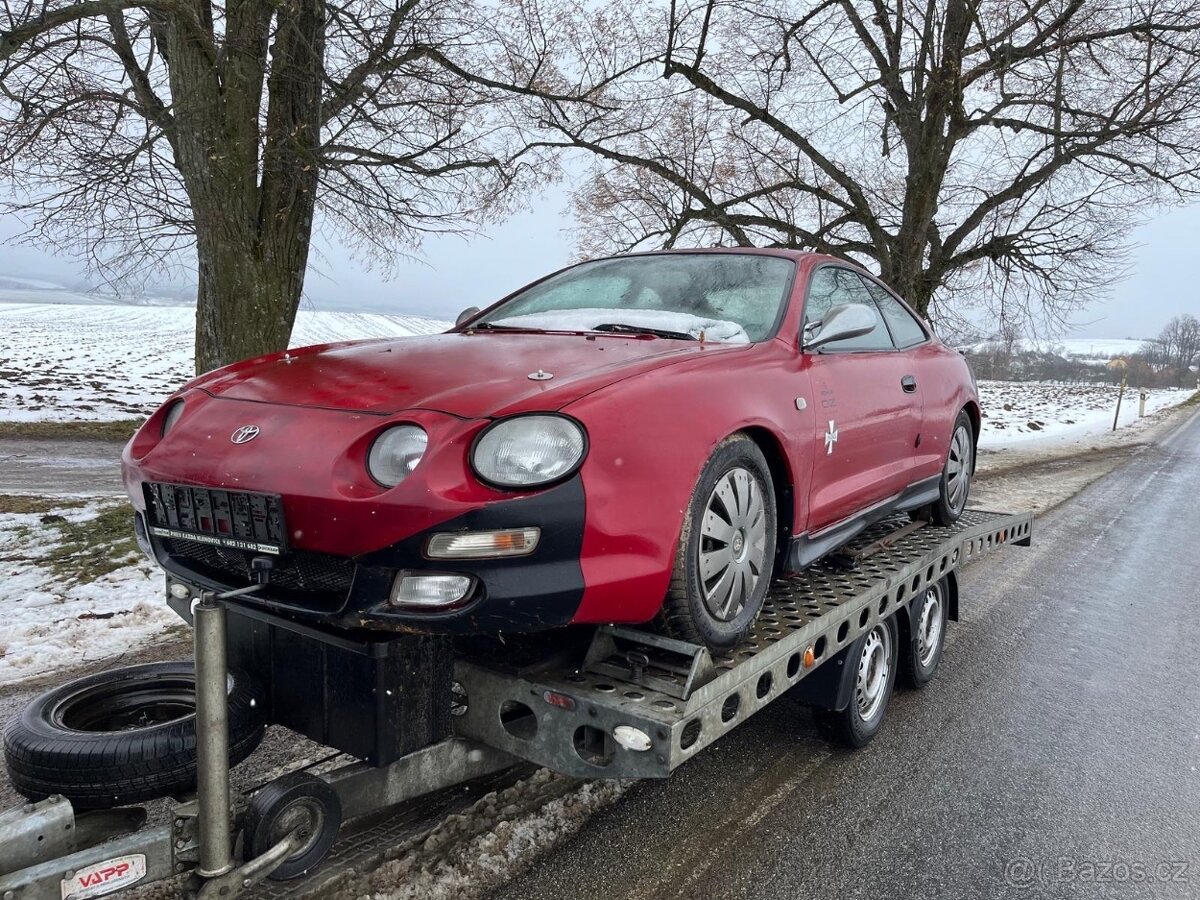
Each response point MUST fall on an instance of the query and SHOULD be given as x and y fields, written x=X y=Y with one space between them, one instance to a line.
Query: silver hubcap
x=929 y=629
x=958 y=469
x=733 y=543
x=874 y=667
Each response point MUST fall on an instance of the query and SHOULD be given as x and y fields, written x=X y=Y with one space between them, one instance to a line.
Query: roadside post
x=1142 y=404
x=1120 y=396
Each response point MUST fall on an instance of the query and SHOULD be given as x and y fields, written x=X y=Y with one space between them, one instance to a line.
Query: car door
x=923 y=366
x=866 y=416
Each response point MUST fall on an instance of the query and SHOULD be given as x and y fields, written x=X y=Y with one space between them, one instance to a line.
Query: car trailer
x=627 y=704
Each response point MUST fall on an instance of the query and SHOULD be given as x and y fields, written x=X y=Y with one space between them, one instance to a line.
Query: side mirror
x=847 y=320
x=466 y=316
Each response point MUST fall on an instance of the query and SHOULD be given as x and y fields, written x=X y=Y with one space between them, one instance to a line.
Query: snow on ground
x=470 y=855
x=70 y=361
x=51 y=620
x=1040 y=413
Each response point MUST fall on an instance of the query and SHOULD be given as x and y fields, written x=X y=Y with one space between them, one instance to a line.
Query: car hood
x=472 y=375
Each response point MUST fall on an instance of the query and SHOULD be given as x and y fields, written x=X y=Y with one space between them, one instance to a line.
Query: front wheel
x=726 y=552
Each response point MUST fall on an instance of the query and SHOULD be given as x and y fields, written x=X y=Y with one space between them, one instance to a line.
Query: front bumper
x=517 y=594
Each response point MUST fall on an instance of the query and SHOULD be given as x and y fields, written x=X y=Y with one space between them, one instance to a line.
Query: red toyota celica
x=650 y=436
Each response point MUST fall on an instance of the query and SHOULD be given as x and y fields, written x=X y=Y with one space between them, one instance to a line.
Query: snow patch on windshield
x=587 y=320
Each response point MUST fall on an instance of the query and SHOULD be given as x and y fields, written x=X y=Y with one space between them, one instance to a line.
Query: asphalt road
x=55 y=467
x=1056 y=755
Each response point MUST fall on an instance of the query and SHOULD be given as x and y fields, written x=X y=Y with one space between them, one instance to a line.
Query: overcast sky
x=455 y=272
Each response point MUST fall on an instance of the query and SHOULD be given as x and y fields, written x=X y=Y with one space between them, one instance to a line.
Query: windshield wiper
x=621 y=328
x=492 y=326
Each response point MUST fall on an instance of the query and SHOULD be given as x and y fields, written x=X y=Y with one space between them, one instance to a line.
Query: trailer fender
x=831 y=686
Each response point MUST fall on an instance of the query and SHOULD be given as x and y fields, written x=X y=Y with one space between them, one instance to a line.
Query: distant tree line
x=1170 y=360
x=1172 y=357
x=1000 y=361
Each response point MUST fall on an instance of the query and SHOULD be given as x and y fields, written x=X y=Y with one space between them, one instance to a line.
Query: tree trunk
x=252 y=239
x=245 y=303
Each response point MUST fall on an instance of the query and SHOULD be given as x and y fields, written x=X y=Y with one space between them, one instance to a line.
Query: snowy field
x=52 y=615
x=1037 y=413
x=63 y=361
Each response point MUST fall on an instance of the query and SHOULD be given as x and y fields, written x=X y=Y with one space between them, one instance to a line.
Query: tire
x=298 y=800
x=860 y=721
x=955 y=485
x=697 y=608
x=919 y=660
x=123 y=736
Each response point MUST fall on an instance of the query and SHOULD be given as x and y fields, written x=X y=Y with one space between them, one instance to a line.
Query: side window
x=906 y=330
x=832 y=286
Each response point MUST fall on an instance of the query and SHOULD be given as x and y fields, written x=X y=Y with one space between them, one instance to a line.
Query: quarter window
x=906 y=330
x=832 y=286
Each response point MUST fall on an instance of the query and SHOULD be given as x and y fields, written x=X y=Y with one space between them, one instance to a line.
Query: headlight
x=172 y=416
x=525 y=451
x=396 y=453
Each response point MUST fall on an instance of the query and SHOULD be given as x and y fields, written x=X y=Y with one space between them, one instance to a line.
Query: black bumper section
x=520 y=594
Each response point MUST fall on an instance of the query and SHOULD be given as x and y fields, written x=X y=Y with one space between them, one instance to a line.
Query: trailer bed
x=682 y=698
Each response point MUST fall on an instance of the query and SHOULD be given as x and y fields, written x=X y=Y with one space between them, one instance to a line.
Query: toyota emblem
x=245 y=434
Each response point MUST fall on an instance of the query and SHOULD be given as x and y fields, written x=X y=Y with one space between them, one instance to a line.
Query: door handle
x=909 y=384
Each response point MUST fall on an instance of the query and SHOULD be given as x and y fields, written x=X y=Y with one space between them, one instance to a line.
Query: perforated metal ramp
x=689 y=701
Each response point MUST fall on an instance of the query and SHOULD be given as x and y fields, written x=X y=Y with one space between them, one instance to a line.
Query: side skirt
x=808 y=548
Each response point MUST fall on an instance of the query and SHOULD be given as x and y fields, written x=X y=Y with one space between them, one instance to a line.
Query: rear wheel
x=919 y=661
x=726 y=551
x=955 y=485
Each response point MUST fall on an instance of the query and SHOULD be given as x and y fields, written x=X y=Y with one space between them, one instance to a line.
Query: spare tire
x=123 y=736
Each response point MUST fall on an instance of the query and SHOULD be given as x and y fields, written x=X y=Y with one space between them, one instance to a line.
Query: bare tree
x=138 y=130
x=970 y=151
x=1175 y=350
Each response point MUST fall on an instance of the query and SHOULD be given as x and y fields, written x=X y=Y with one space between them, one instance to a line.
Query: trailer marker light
x=483 y=544
x=631 y=738
x=809 y=657
x=562 y=701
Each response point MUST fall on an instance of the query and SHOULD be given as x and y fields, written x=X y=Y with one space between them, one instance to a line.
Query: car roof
x=797 y=255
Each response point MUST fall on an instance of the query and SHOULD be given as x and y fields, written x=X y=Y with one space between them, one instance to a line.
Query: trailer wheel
x=122 y=736
x=873 y=656
x=296 y=801
x=919 y=661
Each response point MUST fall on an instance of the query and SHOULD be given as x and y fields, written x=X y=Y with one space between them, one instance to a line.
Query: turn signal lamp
x=483 y=544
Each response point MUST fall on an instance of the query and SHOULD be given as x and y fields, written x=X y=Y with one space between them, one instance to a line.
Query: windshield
x=728 y=297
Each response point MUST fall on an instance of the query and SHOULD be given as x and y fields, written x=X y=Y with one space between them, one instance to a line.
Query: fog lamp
x=483 y=544
x=429 y=591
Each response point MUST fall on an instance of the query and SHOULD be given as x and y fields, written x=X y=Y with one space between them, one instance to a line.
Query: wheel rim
x=128 y=706
x=304 y=815
x=929 y=625
x=874 y=669
x=958 y=469
x=733 y=543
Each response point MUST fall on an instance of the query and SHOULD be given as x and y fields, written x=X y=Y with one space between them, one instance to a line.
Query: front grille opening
x=314 y=581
